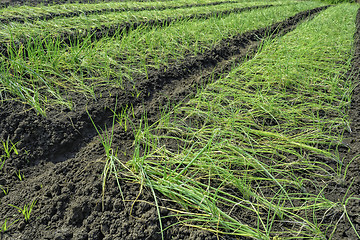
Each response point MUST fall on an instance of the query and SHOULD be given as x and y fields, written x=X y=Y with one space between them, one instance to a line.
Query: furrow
x=351 y=144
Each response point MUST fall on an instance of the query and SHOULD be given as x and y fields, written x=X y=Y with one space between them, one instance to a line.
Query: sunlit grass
x=81 y=25
x=83 y=66
x=258 y=142
x=23 y=12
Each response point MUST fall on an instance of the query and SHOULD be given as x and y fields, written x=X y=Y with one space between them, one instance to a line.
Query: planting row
x=251 y=154
x=83 y=25
x=17 y=3
x=43 y=76
x=26 y=13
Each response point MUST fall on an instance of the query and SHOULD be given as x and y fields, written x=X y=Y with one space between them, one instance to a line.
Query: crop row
x=83 y=25
x=124 y=58
x=26 y=13
x=18 y=3
x=258 y=141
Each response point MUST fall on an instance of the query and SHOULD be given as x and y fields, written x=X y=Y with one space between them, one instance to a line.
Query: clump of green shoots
x=5 y=226
x=112 y=163
x=5 y=190
x=26 y=210
x=20 y=175
x=8 y=147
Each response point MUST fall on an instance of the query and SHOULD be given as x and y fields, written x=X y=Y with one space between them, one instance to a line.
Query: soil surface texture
x=351 y=153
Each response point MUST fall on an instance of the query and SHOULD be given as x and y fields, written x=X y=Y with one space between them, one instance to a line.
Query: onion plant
x=118 y=60
x=260 y=141
x=51 y=11
x=81 y=25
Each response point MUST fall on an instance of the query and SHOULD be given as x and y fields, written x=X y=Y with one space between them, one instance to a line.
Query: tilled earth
x=62 y=158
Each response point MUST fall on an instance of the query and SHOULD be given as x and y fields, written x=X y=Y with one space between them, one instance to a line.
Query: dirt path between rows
x=62 y=159
x=351 y=153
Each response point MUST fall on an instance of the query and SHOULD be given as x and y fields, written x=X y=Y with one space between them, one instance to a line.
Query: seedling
x=2 y=162
x=20 y=175
x=5 y=191
x=26 y=210
x=9 y=147
x=122 y=118
x=5 y=227
x=112 y=163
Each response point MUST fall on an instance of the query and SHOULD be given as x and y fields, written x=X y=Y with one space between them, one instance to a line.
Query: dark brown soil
x=62 y=159
x=352 y=140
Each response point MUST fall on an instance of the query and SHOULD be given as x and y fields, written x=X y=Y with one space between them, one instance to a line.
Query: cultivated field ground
x=179 y=119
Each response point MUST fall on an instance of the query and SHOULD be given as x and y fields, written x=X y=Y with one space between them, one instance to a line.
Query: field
x=179 y=119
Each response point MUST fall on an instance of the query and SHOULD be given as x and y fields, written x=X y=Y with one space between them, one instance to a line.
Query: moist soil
x=352 y=151
x=62 y=159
